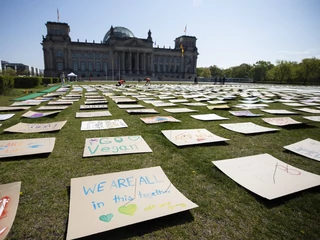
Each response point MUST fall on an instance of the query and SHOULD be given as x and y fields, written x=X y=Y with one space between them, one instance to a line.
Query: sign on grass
x=247 y=128
x=106 y=124
x=21 y=147
x=104 y=202
x=244 y=113
x=278 y=111
x=179 y=110
x=115 y=146
x=208 y=117
x=127 y=106
x=308 y=110
x=32 y=114
x=313 y=118
x=309 y=148
x=185 y=137
x=224 y=106
x=281 y=121
x=159 y=119
x=26 y=103
x=267 y=176
x=13 y=108
x=141 y=111
x=105 y=106
x=49 y=108
x=35 y=127
x=9 y=200
x=93 y=114
x=6 y=116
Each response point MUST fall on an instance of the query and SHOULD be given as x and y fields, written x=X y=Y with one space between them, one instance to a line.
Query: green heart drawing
x=128 y=210
x=134 y=138
x=106 y=218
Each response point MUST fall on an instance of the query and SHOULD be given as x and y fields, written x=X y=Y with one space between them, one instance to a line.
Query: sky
x=228 y=32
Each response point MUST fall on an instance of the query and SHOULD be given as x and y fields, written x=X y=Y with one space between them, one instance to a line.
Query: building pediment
x=133 y=42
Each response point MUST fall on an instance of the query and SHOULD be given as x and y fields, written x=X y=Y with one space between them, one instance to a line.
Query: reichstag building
x=119 y=54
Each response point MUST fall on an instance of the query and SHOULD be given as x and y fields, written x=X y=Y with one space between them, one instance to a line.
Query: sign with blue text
x=115 y=146
x=104 y=202
x=35 y=127
x=308 y=147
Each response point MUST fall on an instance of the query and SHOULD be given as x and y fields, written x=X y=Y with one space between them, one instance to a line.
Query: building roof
x=118 y=32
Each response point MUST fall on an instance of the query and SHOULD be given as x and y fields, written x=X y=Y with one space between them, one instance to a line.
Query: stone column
x=130 y=62
x=123 y=70
x=144 y=63
x=151 y=64
x=137 y=63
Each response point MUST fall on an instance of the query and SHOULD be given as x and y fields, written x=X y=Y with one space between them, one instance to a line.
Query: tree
x=259 y=70
x=214 y=70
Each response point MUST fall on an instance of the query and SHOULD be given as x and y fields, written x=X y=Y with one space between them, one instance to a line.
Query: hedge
x=55 y=80
x=6 y=83
x=46 y=80
x=27 y=82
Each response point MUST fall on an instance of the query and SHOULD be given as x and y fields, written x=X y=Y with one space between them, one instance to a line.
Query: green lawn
x=226 y=210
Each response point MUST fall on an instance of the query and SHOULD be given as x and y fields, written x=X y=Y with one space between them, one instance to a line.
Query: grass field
x=226 y=210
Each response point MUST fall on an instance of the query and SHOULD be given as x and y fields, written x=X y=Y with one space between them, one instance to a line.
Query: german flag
x=182 y=49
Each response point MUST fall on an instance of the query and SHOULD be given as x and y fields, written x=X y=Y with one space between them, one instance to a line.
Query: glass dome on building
x=119 y=32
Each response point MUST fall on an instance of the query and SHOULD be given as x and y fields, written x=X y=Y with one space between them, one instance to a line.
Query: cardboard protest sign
x=35 y=127
x=278 y=111
x=115 y=146
x=93 y=114
x=13 y=108
x=26 y=103
x=178 y=100
x=267 y=176
x=21 y=147
x=251 y=105
x=179 y=110
x=185 y=137
x=9 y=200
x=95 y=102
x=313 y=118
x=106 y=124
x=104 y=106
x=6 y=116
x=32 y=114
x=281 y=121
x=217 y=102
x=195 y=104
x=59 y=103
x=208 y=117
x=308 y=110
x=104 y=202
x=159 y=119
x=49 y=108
x=309 y=148
x=127 y=106
x=125 y=100
x=244 y=113
x=247 y=128
x=141 y=111
x=224 y=106
x=163 y=104
x=294 y=104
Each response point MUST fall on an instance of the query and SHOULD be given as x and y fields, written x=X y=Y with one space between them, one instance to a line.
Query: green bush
x=6 y=83
x=55 y=80
x=46 y=80
x=27 y=82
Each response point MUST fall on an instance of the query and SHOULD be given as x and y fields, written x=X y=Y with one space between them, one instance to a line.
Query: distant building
x=120 y=53
x=20 y=68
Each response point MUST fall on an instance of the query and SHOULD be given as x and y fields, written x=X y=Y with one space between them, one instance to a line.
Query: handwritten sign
x=159 y=119
x=21 y=147
x=104 y=106
x=49 y=108
x=36 y=127
x=185 y=137
x=115 y=146
x=244 y=113
x=313 y=118
x=105 y=202
x=13 y=108
x=247 y=128
x=195 y=104
x=281 y=121
x=26 y=103
x=106 y=124
x=224 y=106
x=32 y=114
x=179 y=110
x=309 y=148
x=93 y=114
x=59 y=103
x=278 y=111
x=267 y=176
x=141 y=111
x=127 y=106
x=308 y=110
x=9 y=200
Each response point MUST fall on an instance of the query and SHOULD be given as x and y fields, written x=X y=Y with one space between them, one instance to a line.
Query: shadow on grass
x=25 y=157
x=138 y=229
x=298 y=126
x=205 y=145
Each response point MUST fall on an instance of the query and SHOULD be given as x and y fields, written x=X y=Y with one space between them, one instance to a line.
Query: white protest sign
x=115 y=146
x=6 y=116
x=309 y=148
x=179 y=110
x=104 y=202
x=35 y=127
x=9 y=200
x=278 y=111
x=185 y=137
x=32 y=114
x=106 y=124
x=49 y=108
x=93 y=114
x=281 y=121
x=247 y=128
x=104 y=106
x=208 y=117
x=159 y=119
x=13 y=108
x=141 y=111
x=267 y=176
x=127 y=106
x=244 y=113
x=21 y=147
x=313 y=118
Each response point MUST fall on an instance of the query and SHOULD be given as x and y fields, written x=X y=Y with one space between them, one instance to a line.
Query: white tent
x=72 y=75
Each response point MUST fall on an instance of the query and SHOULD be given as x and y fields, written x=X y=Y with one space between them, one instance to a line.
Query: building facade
x=20 y=68
x=119 y=55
